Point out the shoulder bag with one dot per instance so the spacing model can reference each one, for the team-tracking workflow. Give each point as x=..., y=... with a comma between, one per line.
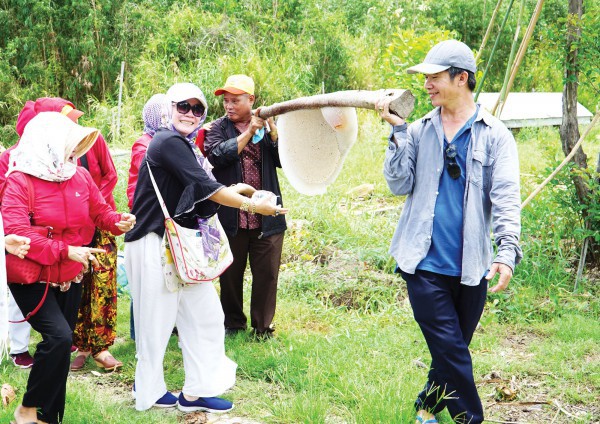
x=192, y=256
x=27, y=271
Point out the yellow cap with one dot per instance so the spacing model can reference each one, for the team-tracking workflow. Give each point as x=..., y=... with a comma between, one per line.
x=237, y=84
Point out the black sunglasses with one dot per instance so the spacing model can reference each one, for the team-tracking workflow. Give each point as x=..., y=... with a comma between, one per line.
x=184, y=107
x=452, y=166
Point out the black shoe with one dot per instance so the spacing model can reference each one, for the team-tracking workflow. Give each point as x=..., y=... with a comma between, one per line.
x=263, y=335
x=232, y=332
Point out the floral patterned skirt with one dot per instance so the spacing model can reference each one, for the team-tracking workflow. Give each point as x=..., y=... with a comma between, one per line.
x=97, y=320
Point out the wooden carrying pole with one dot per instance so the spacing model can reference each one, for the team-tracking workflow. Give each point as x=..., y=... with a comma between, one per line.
x=402, y=104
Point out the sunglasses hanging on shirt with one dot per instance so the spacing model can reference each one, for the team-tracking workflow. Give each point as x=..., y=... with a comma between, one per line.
x=451, y=165
x=184, y=107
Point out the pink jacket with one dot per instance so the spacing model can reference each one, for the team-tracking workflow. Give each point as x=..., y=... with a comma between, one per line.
x=71, y=208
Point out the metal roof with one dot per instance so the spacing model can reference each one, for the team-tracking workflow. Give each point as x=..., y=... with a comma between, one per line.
x=532, y=109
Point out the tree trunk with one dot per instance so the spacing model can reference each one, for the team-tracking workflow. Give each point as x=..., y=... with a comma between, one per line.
x=569, y=130
x=402, y=105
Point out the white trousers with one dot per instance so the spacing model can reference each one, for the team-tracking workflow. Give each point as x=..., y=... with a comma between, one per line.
x=18, y=334
x=197, y=312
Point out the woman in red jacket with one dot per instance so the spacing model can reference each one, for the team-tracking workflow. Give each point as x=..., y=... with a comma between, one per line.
x=19, y=331
x=66, y=199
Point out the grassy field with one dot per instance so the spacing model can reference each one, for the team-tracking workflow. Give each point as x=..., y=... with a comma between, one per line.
x=347, y=349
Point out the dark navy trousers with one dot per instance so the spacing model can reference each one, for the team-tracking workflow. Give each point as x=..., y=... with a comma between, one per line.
x=448, y=313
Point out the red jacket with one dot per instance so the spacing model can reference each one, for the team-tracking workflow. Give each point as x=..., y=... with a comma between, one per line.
x=138, y=152
x=71, y=208
x=102, y=169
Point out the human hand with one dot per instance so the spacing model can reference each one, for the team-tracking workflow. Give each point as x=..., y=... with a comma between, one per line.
x=84, y=255
x=256, y=124
x=506, y=273
x=273, y=129
x=126, y=223
x=244, y=189
x=266, y=206
x=383, y=107
x=17, y=245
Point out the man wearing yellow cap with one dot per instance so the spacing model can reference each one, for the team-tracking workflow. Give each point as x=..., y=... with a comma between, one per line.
x=243, y=149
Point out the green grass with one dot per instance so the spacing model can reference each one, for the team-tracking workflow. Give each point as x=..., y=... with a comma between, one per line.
x=347, y=349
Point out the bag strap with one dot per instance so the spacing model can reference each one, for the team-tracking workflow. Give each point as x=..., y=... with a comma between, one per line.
x=35, y=310
x=160, y=198
x=31, y=196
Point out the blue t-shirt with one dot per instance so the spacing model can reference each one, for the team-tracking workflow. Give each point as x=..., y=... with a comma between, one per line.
x=445, y=254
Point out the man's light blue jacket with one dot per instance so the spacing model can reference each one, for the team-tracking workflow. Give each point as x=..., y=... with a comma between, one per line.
x=413, y=164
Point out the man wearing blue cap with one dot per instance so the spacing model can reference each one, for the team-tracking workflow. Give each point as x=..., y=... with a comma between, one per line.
x=458, y=166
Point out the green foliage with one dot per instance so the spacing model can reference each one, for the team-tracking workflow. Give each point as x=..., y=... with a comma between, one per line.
x=590, y=209
x=74, y=49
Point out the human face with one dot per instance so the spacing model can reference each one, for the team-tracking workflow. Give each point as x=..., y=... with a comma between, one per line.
x=442, y=90
x=185, y=123
x=238, y=107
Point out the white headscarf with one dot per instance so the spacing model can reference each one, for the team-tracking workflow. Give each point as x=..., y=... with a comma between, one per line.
x=50, y=146
x=178, y=93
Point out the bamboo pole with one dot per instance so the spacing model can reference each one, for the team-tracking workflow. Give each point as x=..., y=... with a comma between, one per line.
x=511, y=59
x=120, y=98
x=488, y=31
x=564, y=162
x=522, y=49
x=489, y=63
x=402, y=104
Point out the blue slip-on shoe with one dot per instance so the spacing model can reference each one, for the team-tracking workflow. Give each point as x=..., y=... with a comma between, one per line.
x=168, y=400
x=207, y=404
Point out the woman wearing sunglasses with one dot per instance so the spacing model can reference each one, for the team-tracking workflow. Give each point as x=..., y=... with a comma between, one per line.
x=189, y=190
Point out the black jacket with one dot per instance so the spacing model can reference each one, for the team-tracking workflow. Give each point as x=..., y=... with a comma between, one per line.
x=221, y=146
x=182, y=182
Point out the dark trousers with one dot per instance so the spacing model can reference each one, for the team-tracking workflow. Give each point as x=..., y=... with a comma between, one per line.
x=47, y=383
x=448, y=313
x=264, y=255
x=70, y=300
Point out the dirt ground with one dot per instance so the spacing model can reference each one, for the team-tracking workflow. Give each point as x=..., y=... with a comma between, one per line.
x=507, y=399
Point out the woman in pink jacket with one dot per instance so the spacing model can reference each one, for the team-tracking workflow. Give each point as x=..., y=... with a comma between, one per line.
x=67, y=200
x=19, y=330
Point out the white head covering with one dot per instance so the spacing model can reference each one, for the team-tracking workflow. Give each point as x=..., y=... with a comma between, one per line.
x=50, y=146
x=178, y=93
